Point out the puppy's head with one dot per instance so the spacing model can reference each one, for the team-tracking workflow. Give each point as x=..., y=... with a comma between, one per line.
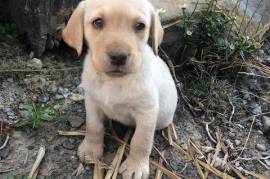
x=116, y=31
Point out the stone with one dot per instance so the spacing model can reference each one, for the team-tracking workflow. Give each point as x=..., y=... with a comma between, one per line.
x=76, y=121
x=24, y=114
x=255, y=108
x=76, y=97
x=219, y=163
x=35, y=63
x=10, y=113
x=7, y=110
x=58, y=97
x=4, y=153
x=237, y=142
x=43, y=99
x=64, y=91
x=57, y=106
x=69, y=144
x=266, y=124
x=261, y=147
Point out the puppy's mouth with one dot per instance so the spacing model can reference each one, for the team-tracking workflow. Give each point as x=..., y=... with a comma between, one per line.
x=116, y=73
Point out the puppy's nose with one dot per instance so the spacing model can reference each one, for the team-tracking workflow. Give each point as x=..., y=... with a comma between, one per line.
x=118, y=57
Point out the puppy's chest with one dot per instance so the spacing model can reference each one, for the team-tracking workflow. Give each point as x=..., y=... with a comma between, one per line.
x=118, y=102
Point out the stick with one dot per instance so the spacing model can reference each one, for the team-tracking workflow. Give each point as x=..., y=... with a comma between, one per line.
x=215, y=171
x=237, y=172
x=233, y=110
x=35, y=167
x=98, y=172
x=165, y=171
x=114, y=170
x=159, y=173
x=5, y=143
x=251, y=127
x=174, y=131
x=79, y=170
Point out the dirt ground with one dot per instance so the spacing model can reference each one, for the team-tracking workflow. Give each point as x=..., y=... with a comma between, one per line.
x=56, y=85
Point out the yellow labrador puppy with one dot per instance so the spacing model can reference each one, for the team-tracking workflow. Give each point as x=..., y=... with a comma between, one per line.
x=124, y=79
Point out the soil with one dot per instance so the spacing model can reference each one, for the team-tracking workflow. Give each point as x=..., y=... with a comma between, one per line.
x=58, y=80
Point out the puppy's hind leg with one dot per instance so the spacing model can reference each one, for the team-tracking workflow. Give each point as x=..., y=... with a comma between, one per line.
x=92, y=146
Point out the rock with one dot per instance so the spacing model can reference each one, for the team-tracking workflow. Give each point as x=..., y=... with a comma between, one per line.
x=57, y=107
x=58, y=97
x=31, y=55
x=74, y=159
x=69, y=144
x=43, y=99
x=6, y=110
x=230, y=144
x=219, y=163
x=247, y=97
x=261, y=147
x=4, y=153
x=267, y=162
x=266, y=124
x=64, y=91
x=237, y=142
x=35, y=63
x=237, y=164
x=76, y=121
x=232, y=135
x=24, y=114
x=255, y=108
x=12, y=117
x=76, y=97
x=10, y=113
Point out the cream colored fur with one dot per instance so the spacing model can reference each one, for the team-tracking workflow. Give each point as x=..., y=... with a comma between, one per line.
x=145, y=97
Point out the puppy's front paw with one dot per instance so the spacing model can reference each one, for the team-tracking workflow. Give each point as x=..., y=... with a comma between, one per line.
x=88, y=152
x=135, y=168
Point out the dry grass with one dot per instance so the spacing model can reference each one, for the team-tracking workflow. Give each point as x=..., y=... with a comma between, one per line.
x=205, y=165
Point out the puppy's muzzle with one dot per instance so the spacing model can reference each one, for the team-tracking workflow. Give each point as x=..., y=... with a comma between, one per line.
x=118, y=57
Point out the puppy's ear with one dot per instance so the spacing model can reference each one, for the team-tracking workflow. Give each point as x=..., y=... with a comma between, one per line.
x=156, y=32
x=73, y=32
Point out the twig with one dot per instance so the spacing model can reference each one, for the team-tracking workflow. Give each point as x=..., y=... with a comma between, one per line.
x=5, y=143
x=215, y=171
x=35, y=167
x=71, y=133
x=208, y=133
x=176, y=146
x=233, y=110
x=159, y=172
x=264, y=165
x=174, y=131
x=254, y=174
x=79, y=171
x=218, y=148
x=251, y=127
x=237, y=172
x=170, y=136
x=163, y=158
x=112, y=173
x=98, y=172
x=165, y=171
x=251, y=74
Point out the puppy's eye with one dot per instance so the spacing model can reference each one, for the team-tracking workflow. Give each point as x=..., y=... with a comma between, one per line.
x=98, y=23
x=139, y=26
